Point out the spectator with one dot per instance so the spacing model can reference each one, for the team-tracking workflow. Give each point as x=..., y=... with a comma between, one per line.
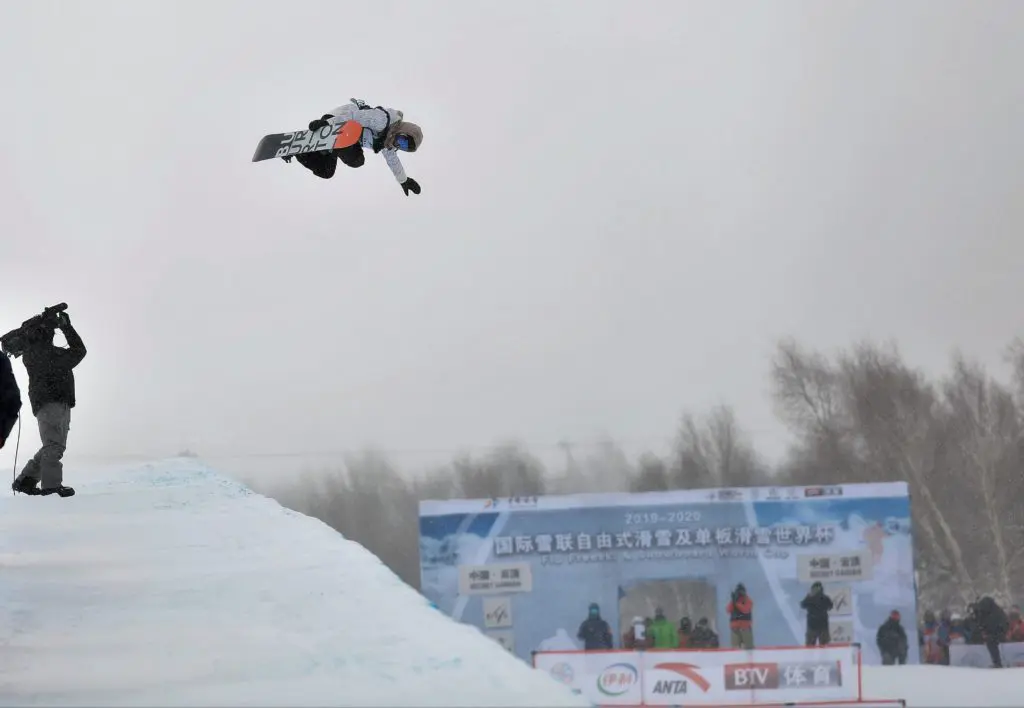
x=51, y=395
x=703, y=636
x=892, y=640
x=636, y=637
x=993, y=623
x=817, y=604
x=685, y=630
x=931, y=650
x=664, y=634
x=10, y=399
x=957, y=630
x=971, y=629
x=945, y=620
x=1016, y=631
x=741, y=618
x=595, y=632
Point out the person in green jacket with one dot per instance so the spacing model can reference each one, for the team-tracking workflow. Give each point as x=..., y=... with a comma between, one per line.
x=664, y=632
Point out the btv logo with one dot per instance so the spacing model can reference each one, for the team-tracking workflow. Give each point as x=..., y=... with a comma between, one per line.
x=675, y=687
x=740, y=677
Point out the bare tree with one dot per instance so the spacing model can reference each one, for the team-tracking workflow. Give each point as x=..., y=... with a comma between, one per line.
x=652, y=475
x=507, y=471
x=984, y=436
x=870, y=417
x=716, y=453
x=863, y=416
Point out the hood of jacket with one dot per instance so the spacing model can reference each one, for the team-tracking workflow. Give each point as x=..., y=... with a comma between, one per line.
x=404, y=127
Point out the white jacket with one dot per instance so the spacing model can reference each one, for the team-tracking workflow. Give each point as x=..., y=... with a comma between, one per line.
x=374, y=123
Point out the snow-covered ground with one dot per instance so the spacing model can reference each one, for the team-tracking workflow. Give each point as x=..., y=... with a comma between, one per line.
x=940, y=686
x=168, y=584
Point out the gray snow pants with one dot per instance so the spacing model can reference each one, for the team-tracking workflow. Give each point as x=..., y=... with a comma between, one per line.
x=54, y=423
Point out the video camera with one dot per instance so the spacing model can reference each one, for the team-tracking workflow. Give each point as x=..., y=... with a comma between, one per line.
x=33, y=329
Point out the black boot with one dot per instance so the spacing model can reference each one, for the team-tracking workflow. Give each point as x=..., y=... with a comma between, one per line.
x=61, y=490
x=26, y=485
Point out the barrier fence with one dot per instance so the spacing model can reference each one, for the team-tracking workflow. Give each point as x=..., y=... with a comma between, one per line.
x=977, y=656
x=829, y=675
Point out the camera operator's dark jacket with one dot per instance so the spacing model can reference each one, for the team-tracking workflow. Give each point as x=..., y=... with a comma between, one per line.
x=50, y=379
x=818, y=606
x=10, y=399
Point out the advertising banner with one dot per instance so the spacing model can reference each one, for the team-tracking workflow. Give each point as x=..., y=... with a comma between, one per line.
x=705, y=678
x=771, y=676
x=604, y=677
x=546, y=560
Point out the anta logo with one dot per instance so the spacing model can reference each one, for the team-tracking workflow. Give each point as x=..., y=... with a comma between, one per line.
x=687, y=671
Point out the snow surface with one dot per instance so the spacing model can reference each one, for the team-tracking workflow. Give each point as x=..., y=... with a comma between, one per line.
x=940, y=686
x=169, y=584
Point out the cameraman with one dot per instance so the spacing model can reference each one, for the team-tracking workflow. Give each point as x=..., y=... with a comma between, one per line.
x=741, y=618
x=10, y=399
x=51, y=391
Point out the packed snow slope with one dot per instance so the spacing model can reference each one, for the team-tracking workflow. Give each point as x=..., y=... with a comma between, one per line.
x=168, y=584
x=945, y=686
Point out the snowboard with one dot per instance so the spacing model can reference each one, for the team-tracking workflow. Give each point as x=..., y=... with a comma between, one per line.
x=331, y=137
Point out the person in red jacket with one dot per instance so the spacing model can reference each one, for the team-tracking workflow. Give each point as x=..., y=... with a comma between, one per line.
x=1016, y=631
x=741, y=618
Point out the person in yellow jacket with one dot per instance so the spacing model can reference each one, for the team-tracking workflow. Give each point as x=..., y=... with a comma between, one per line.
x=664, y=633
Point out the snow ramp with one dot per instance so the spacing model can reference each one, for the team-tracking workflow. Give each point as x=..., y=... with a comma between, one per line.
x=168, y=584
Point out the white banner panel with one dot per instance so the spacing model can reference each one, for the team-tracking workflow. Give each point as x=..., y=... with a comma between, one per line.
x=973, y=655
x=1012, y=654
x=757, y=676
x=609, y=678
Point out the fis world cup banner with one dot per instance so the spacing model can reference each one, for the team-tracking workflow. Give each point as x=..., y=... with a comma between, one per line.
x=527, y=571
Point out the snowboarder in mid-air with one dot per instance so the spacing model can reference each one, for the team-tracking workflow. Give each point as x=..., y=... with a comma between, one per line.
x=384, y=130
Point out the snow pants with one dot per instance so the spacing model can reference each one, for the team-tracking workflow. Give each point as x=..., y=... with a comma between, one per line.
x=46, y=467
x=891, y=659
x=322, y=164
x=993, y=651
x=820, y=636
x=743, y=637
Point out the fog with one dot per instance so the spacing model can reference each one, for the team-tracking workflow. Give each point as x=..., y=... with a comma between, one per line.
x=625, y=207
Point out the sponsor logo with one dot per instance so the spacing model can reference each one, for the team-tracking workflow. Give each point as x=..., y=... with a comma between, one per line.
x=617, y=679
x=823, y=491
x=730, y=494
x=772, y=675
x=690, y=674
x=740, y=677
x=562, y=672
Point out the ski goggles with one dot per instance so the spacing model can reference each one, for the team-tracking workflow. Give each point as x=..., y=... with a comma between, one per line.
x=402, y=142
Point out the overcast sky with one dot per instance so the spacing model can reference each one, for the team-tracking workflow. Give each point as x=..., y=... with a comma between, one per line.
x=624, y=206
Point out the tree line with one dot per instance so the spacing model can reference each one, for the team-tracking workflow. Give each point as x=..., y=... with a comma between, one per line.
x=862, y=415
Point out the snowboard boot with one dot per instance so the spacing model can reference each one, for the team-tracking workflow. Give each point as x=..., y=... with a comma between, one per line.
x=61, y=490
x=26, y=485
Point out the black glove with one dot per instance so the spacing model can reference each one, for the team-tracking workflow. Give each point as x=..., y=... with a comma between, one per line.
x=63, y=320
x=410, y=185
x=320, y=122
